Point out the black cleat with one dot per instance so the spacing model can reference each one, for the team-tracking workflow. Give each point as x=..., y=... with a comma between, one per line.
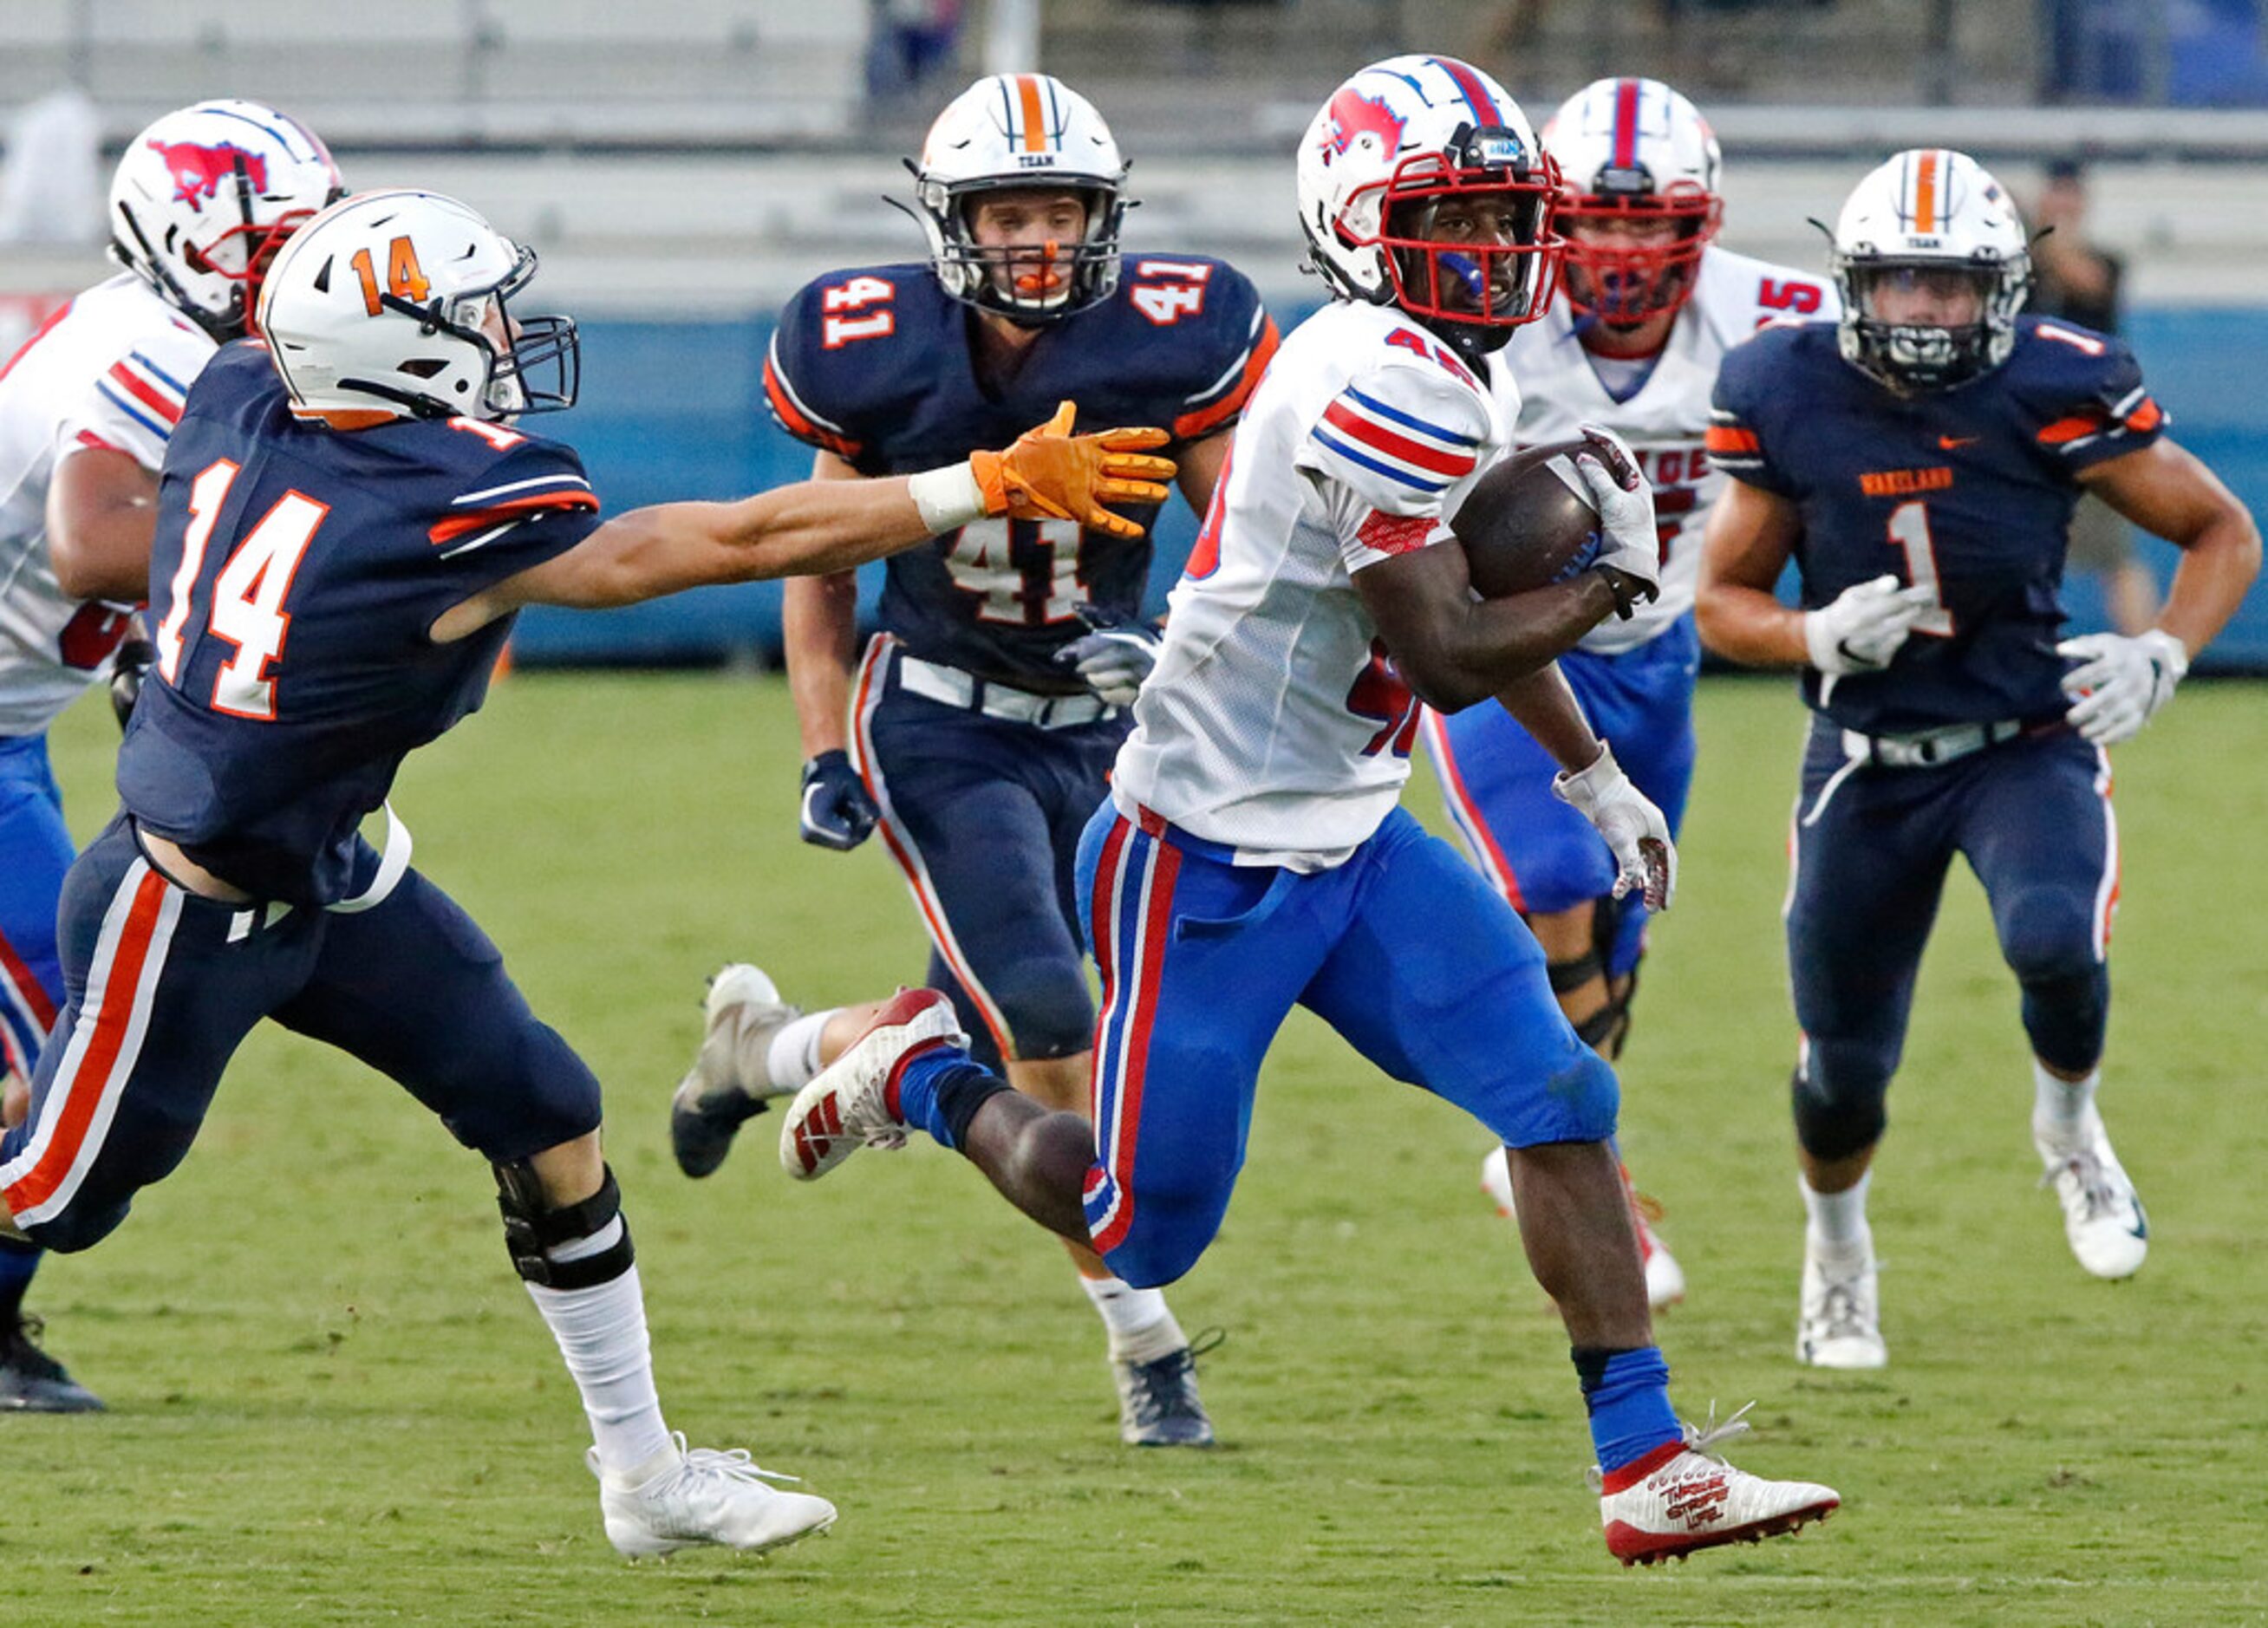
x=32, y=1381
x=1157, y=1403
x=727, y=1085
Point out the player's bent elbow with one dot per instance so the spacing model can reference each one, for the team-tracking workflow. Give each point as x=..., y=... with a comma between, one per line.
x=74, y=568
x=1443, y=684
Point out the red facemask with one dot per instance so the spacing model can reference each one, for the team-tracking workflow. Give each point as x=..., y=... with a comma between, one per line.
x=1619, y=284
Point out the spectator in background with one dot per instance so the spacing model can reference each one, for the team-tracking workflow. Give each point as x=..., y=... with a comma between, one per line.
x=912, y=40
x=52, y=182
x=2078, y=282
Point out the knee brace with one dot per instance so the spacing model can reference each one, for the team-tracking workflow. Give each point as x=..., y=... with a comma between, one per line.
x=2065, y=1018
x=1838, y=1110
x=577, y=1247
x=1607, y=1030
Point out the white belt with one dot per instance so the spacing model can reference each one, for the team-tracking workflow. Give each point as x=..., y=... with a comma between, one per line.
x=934, y=680
x=392, y=866
x=1930, y=747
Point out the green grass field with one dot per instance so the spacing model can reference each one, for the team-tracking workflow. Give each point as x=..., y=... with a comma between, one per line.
x=331, y=1402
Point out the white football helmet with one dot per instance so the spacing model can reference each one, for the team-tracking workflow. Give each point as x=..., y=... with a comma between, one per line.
x=1021, y=130
x=1633, y=150
x=394, y=302
x=203, y=198
x=1378, y=161
x=1929, y=218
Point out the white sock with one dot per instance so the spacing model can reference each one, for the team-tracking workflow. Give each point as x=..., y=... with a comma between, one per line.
x=1141, y=1325
x=602, y=1334
x=2060, y=1107
x=1837, y=1221
x=793, y=1056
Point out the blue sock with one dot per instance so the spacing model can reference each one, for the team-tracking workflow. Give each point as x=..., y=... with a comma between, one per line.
x=1628, y=1394
x=17, y=1263
x=940, y=1090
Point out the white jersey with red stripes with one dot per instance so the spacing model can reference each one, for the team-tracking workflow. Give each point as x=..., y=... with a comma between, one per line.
x=1548, y=386
x=109, y=370
x=1273, y=723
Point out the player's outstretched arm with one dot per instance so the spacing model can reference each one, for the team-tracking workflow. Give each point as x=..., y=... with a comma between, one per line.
x=102, y=511
x=829, y=525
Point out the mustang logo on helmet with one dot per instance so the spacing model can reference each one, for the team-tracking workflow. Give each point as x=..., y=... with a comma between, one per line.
x=1352, y=114
x=198, y=171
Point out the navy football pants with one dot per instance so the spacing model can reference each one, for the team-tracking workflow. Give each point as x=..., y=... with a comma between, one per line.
x=161, y=987
x=1871, y=847
x=983, y=816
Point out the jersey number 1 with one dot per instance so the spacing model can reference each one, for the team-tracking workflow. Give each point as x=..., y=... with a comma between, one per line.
x=248, y=592
x=1910, y=534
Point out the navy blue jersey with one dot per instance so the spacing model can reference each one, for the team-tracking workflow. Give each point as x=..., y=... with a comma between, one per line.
x=1970, y=488
x=294, y=576
x=878, y=366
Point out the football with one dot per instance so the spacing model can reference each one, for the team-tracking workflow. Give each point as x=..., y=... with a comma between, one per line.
x=1528, y=521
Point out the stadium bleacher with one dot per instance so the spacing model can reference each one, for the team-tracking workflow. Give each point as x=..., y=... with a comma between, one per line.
x=683, y=168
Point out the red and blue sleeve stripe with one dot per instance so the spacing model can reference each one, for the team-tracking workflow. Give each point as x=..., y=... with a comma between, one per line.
x=1364, y=432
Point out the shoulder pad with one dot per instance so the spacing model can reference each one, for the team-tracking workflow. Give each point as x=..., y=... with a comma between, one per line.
x=844, y=346
x=2079, y=392
x=1200, y=330
x=503, y=476
x=1401, y=432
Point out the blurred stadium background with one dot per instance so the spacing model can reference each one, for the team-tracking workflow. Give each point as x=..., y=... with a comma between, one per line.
x=682, y=166
x=1401, y=1449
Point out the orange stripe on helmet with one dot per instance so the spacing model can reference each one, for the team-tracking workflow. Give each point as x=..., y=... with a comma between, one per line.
x=1035, y=123
x=1926, y=193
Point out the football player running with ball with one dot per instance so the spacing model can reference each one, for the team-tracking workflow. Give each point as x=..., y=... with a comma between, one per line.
x=199, y=204
x=978, y=729
x=1919, y=459
x=346, y=526
x=1252, y=856
x=1648, y=307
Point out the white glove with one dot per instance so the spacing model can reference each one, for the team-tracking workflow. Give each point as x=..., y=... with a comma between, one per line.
x=1116, y=656
x=1632, y=826
x=2121, y=682
x=1862, y=630
x=1630, y=541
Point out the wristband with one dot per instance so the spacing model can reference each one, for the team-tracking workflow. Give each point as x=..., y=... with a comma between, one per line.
x=948, y=499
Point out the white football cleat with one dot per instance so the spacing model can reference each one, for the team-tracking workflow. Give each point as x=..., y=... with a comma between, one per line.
x=729, y=1082
x=1840, y=1323
x=848, y=1105
x=1681, y=1496
x=2102, y=1215
x=1665, y=1279
x=707, y=1497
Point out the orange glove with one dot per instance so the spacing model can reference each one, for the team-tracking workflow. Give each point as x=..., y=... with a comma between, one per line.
x=1051, y=475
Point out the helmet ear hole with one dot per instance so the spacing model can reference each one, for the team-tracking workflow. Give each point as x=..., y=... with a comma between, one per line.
x=422, y=367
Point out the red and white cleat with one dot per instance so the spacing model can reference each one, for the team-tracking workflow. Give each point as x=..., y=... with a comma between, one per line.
x=848, y=1105
x=1681, y=1497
